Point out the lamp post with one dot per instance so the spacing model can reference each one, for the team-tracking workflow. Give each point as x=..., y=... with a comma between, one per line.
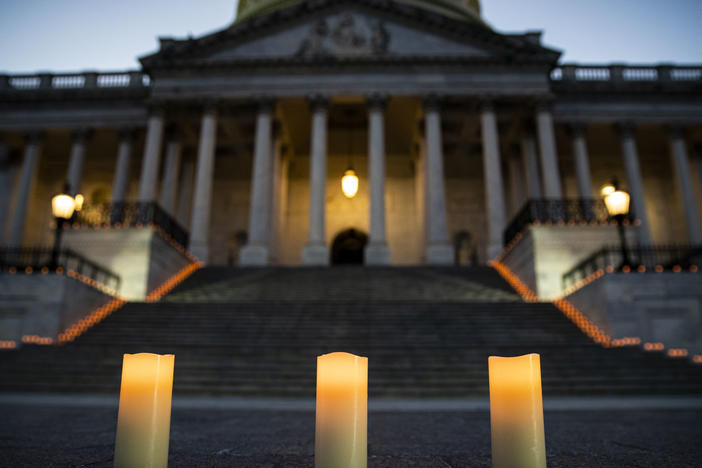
x=617, y=202
x=62, y=207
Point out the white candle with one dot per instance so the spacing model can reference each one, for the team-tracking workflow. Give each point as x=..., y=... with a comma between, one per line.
x=144, y=420
x=342, y=411
x=516, y=412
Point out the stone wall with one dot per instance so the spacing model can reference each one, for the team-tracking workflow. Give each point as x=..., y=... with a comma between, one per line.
x=43, y=305
x=659, y=308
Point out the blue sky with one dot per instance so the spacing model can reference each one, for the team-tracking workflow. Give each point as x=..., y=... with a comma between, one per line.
x=75, y=35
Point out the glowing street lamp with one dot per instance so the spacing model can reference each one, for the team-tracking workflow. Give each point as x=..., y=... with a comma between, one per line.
x=617, y=202
x=62, y=207
x=349, y=183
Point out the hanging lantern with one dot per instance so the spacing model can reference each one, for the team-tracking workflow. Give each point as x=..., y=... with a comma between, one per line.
x=349, y=183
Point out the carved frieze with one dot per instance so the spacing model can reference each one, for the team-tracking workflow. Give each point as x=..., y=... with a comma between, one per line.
x=345, y=35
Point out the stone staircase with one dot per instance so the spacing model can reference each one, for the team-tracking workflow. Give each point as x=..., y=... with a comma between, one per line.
x=426, y=331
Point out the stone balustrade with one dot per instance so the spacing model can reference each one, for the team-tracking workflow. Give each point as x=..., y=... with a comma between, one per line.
x=85, y=80
x=618, y=73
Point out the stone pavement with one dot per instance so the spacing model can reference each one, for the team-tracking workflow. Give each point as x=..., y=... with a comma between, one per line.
x=59, y=435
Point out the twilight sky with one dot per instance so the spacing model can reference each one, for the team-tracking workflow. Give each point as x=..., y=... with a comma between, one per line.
x=75, y=35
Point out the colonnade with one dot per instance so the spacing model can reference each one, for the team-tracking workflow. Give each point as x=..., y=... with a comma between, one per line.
x=534, y=173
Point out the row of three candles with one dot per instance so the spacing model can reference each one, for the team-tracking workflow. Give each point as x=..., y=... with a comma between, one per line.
x=516, y=411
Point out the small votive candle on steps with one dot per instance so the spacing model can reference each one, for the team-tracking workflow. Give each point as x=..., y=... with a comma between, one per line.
x=342, y=411
x=516, y=412
x=144, y=420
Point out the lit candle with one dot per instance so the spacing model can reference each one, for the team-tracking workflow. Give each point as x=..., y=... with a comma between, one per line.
x=144, y=420
x=342, y=411
x=516, y=412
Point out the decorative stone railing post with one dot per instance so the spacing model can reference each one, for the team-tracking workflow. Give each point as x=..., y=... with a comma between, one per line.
x=45, y=80
x=136, y=79
x=569, y=72
x=665, y=73
x=616, y=72
x=91, y=80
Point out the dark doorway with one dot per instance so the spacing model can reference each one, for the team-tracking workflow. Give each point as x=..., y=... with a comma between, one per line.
x=347, y=248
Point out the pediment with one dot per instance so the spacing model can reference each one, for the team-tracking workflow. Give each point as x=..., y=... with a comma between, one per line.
x=348, y=30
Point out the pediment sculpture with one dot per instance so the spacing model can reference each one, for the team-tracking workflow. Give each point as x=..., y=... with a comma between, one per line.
x=345, y=35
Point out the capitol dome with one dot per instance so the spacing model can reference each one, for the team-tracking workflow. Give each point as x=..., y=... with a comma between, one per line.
x=468, y=10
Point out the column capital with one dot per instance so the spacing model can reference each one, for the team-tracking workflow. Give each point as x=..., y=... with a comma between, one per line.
x=126, y=133
x=265, y=104
x=544, y=103
x=626, y=129
x=34, y=137
x=577, y=129
x=432, y=102
x=676, y=131
x=210, y=106
x=157, y=109
x=172, y=134
x=487, y=104
x=81, y=135
x=377, y=101
x=318, y=102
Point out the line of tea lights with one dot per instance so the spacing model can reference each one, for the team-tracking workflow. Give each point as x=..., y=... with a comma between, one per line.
x=341, y=421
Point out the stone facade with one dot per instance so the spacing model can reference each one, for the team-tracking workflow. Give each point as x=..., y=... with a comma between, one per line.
x=463, y=105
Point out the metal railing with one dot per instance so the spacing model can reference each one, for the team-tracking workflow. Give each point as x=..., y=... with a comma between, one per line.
x=651, y=258
x=85, y=80
x=30, y=260
x=618, y=73
x=132, y=214
x=566, y=211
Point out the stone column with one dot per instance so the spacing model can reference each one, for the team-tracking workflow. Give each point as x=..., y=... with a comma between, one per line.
x=316, y=251
x=633, y=175
x=531, y=167
x=201, y=208
x=516, y=180
x=549, y=155
x=120, y=183
x=678, y=150
x=582, y=162
x=6, y=184
x=169, y=183
x=494, y=187
x=698, y=165
x=377, y=251
x=77, y=161
x=185, y=193
x=438, y=250
x=24, y=189
x=256, y=252
x=152, y=157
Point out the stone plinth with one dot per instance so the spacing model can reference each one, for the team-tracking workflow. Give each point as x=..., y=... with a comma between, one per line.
x=140, y=256
x=545, y=253
x=44, y=305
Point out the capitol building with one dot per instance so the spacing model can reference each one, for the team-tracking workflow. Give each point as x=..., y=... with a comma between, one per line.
x=309, y=134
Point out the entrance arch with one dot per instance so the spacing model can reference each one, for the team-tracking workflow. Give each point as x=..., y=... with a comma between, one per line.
x=348, y=246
